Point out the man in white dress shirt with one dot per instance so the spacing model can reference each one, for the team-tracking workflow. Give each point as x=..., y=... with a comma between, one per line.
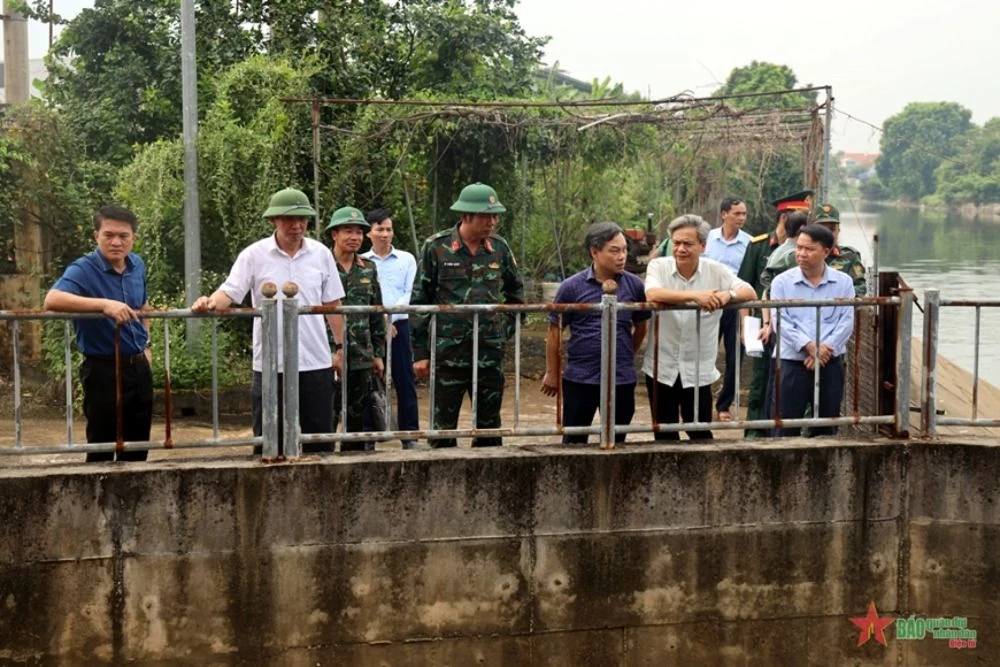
x=289, y=255
x=688, y=339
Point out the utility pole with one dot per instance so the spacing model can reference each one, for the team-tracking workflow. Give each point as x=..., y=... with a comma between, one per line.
x=825, y=191
x=17, y=83
x=23, y=290
x=192, y=224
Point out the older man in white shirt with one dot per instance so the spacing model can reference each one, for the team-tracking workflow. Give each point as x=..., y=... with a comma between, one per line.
x=688, y=340
x=289, y=255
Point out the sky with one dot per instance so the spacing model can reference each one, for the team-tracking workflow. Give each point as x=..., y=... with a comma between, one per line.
x=877, y=55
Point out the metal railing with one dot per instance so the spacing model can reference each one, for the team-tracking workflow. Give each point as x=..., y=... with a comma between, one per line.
x=931, y=413
x=606, y=429
x=14, y=320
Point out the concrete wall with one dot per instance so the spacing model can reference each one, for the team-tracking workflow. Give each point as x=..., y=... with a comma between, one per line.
x=685, y=555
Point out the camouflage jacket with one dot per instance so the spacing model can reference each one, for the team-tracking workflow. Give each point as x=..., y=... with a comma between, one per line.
x=755, y=260
x=782, y=259
x=449, y=274
x=365, y=333
x=847, y=259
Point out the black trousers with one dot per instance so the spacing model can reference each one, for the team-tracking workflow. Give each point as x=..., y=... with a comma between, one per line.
x=315, y=407
x=797, y=394
x=582, y=401
x=97, y=375
x=674, y=403
x=729, y=330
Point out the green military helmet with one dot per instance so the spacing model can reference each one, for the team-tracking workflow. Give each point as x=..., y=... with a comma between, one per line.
x=289, y=202
x=478, y=198
x=827, y=213
x=347, y=215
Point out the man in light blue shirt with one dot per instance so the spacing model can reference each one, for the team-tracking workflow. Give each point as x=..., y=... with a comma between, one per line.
x=727, y=245
x=396, y=271
x=800, y=351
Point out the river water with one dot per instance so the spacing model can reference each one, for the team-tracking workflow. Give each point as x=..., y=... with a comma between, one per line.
x=959, y=257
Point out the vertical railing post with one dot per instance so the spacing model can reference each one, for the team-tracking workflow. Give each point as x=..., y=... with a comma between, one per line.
x=817, y=366
x=904, y=347
x=475, y=370
x=15, y=328
x=290, y=361
x=68, y=360
x=609, y=326
x=928, y=403
x=269, y=369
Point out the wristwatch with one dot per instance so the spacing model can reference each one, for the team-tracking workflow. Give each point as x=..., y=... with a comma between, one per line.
x=338, y=346
x=732, y=294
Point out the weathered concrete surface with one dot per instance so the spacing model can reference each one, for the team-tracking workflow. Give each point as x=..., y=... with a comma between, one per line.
x=728, y=554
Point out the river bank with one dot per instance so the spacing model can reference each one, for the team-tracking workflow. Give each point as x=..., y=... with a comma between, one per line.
x=989, y=212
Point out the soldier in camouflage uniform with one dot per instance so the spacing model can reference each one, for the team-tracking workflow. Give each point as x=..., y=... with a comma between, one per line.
x=751, y=270
x=466, y=264
x=365, y=341
x=783, y=257
x=843, y=258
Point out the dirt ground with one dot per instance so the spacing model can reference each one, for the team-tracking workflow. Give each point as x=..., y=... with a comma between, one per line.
x=48, y=428
x=44, y=420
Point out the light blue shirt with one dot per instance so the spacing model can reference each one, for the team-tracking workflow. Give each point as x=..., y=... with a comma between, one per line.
x=396, y=272
x=798, y=325
x=729, y=253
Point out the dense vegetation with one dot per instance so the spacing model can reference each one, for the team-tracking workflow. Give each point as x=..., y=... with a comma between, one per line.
x=109, y=127
x=932, y=152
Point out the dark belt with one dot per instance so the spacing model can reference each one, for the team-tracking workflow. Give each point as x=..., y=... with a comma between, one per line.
x=132, y=360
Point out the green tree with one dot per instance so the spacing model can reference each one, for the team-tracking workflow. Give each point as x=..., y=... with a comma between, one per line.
x=914, y=144
x=251, y=145
x=763, y=173
x=974, y=175
x=761, y=77
x=115, y=70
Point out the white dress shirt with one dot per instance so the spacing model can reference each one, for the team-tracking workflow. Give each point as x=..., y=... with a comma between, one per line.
x=678, y=342
x=313, y=270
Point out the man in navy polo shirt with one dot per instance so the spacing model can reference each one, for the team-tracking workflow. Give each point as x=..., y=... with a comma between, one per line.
x=111, y=280
x=582, y=376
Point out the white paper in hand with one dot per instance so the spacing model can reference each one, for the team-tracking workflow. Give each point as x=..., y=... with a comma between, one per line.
x=751, y=342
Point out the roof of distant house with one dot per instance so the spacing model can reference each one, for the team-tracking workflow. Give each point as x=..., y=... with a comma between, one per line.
x=861, y=159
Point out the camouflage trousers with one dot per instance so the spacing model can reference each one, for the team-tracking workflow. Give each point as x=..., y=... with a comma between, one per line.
x=453, y=383
x=757, y=393
x=358, y=390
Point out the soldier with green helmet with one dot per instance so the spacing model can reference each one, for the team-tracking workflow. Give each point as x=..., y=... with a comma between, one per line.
x=365, y=333
x=466, y=264
x=289, y=255
x=843, y=258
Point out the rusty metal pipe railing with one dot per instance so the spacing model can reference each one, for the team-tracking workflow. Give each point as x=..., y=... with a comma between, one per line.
x=932, y=416
x=168, y=403
x=928, y=402
x=68, y=378
x=607, y=429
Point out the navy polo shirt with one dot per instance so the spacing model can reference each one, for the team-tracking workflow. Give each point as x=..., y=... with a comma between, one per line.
x=583, y=351
x=92, y=276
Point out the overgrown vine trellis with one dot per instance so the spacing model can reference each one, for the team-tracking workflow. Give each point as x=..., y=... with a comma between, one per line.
x=560, y=165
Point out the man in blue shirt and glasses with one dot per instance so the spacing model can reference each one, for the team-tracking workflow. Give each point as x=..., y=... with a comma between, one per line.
x=111, y=280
